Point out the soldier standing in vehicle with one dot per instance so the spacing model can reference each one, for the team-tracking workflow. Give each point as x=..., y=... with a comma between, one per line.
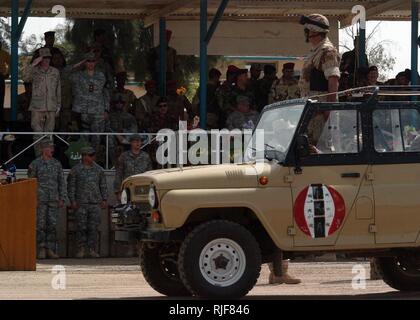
x=321, y=71
x=132, y=162
x=285, y=88
x=51, y=197
x=88, y=194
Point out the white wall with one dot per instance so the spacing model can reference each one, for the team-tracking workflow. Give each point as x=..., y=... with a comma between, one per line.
x=244, y=38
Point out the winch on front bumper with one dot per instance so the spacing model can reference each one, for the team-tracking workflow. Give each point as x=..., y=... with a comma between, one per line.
x=129, y=221
x=132, y=222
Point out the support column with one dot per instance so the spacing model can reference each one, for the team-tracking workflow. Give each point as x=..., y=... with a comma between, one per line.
x=414, y=44
x=362, y=46
x=15, y=59
x=163, y=45
x=17, y=29
x=203, y=64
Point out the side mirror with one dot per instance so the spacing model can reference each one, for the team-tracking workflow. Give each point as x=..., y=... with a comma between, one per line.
x=302, y=146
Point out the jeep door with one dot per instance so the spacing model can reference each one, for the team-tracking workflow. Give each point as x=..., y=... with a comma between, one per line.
x=396, y=172
x=332, y=199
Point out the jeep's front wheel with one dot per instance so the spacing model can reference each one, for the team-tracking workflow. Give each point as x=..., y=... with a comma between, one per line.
x=159, y=265
x=401, y=273
x=219, y=259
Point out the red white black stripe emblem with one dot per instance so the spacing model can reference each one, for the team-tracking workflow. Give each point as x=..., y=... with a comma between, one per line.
x=319, y=211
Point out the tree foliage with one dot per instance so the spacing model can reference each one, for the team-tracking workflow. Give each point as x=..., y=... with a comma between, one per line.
x=377, y=50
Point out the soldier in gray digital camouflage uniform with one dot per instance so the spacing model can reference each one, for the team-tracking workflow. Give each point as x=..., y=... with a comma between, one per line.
x=51, y=197
x=131, y=163
x=91, y=98
x=119, y=121
x=88, y=194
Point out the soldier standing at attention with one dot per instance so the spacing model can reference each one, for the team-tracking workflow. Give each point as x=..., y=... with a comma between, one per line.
x=91, y=98
x=285, y=88
x=88, y=194
x=132, y=162
x=51, y=197
x=321, y=71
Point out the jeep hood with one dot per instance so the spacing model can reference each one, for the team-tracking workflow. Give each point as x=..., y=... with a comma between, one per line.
x=200, y=177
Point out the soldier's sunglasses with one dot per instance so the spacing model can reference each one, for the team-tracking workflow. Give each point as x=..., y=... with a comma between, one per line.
x=163, y=105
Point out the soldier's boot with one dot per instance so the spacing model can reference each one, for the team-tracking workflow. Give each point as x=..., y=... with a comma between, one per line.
x=41, y=254
x=52, y=255
x=81, y=253
x=93, y=254
x=285, y=278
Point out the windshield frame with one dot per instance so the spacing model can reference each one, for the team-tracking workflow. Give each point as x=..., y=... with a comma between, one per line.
x=281, y=105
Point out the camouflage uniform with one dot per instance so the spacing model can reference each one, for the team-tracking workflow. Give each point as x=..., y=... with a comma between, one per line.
x=119, y=122
x=51, y=190
x=129, y=165
x=127, y=96
x=160, y=121
x=87, y=187
x=46, y=98
x=284, y=90
x=324, y=58
x=239, y=120
x=91, y=101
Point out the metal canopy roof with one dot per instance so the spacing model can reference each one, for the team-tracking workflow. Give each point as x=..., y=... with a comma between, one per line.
x=271, y=10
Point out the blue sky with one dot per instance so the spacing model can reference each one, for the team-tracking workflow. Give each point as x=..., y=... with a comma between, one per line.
x=397, y=33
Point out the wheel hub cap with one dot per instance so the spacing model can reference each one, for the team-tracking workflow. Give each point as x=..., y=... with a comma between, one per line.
x=222, y=262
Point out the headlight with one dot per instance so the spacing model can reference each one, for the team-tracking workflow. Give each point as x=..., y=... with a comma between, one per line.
x=125, y=196
x=153, y=201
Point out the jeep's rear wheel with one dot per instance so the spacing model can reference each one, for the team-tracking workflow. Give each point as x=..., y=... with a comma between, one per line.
x=219, y=259
x=401, y=273
x=159, y=264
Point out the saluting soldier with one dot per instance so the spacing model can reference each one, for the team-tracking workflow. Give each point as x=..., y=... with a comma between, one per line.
x=321, y=71
x=132, y=162
x=51, y=197
x=88, y=194
x=285, y=88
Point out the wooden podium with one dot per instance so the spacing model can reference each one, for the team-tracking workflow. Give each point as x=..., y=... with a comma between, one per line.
x=18, y=202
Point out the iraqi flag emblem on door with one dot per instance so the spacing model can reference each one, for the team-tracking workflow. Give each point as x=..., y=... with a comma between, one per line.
x=319, y=211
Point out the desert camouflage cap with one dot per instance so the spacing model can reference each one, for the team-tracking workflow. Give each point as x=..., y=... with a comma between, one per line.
x=316, y=22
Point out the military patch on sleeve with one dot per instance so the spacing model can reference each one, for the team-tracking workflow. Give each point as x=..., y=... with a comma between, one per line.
x=319, y=211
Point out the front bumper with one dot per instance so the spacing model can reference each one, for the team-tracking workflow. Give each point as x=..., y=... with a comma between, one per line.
x=131, y=223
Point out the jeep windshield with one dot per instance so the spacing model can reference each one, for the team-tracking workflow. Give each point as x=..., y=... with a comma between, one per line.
x=277, y=125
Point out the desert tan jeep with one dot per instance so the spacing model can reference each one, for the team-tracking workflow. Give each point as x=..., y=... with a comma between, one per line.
x=331, y=178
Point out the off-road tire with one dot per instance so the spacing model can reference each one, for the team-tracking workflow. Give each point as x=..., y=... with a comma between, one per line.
x=153, y=271
x=198, y=239
x=393, y=275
